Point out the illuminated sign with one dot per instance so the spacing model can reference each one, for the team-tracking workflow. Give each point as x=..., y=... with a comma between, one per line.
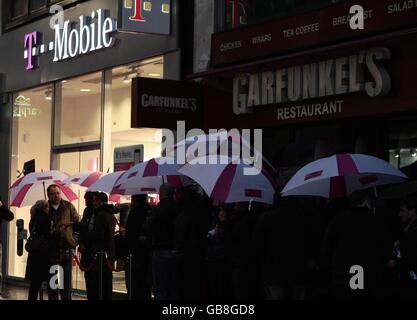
x=145, y=16
x=91, y=33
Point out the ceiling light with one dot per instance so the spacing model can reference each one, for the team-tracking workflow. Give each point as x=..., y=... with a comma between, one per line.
x=85, y=90
x=64, y=81
x=48, y=95
x=397, y=155
x=127, y=79
x=154, y=74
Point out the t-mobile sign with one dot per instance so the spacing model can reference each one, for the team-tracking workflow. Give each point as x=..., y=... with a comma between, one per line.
x=145, y=16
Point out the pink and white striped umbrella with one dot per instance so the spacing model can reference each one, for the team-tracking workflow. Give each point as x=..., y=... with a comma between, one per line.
x=227, y=182
x=83, y=179
x=340, y=175
x=228, y=143
x=109, y=184
x=32, y=187
x=150, y=175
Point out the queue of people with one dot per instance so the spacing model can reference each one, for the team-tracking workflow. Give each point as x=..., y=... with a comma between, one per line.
x=191, y=248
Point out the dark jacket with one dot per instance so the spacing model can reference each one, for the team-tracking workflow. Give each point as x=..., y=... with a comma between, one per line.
x=5, y=214
x=64, y=238
x=356, y=237
x=285, y=245
x=37, y=267
x=134, y=230
x=162, y=224
x=83, y=228
x=102, y=234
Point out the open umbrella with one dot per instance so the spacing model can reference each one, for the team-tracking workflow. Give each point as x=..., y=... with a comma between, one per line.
x=83, y=179
x=229, y=144
x=340, y=175
x=227, y=182
x=32, y=187
x=159, y=169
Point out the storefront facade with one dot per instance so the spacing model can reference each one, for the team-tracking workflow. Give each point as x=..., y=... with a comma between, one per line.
x=66, y=97
x=318, y=87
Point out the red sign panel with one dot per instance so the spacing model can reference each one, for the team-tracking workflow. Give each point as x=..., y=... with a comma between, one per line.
x=161, y=103
x=315, y=28
x=400, y=67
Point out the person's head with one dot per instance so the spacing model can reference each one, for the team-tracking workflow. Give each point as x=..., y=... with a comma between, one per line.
x=408, y=209
x=99, y=199
x=362, y=198
x=139, y=200
x=54, y=194
x=40, y=206
x=166, y=191
x=88, y=197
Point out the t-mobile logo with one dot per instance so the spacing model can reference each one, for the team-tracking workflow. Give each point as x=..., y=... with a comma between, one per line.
x=31, y=52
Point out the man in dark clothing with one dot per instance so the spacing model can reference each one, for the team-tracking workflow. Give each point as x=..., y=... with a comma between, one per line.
x=191, y=228
x=64, y=240
x=85, y=246
x=141, y=281
x=101, y=238
x=405, y=262
x=287, y=241
x=7, y=215
x=164, y=259
x=356, y=238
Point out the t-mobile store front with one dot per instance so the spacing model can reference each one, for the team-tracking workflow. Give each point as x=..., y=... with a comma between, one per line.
x=317, y=87
x=67, y=95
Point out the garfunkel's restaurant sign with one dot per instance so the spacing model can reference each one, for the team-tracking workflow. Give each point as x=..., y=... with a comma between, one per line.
x=357, y=73
x=96, y=31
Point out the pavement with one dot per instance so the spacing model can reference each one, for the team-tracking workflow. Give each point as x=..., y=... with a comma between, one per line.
x=21, y=293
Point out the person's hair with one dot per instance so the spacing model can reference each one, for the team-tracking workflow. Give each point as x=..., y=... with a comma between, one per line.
x=139, y=199
x=410, y=202
x=89, y=196
x=102, y=197
x=38, y=206
x=52, y=186
x=166, y=191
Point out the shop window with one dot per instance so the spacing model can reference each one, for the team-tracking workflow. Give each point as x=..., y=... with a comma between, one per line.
x=78, y=110
x=19, y=8
x=236, y=13
x=146, y=140
x=31, y=139
x=37, y=5
x=402, y=142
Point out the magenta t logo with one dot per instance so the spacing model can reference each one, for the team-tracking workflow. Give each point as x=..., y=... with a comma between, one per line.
x=31, y=40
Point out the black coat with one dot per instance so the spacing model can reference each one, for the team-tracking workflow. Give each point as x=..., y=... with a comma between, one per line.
x=356, y=237
x=134, y=227
x=162, y=224
x=38, y=264
x=286, y=243
x=5, y=214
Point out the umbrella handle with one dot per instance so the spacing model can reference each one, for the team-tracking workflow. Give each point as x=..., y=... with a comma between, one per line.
x=44, y=191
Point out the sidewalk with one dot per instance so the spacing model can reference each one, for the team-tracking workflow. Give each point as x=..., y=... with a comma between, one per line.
x=21, y=293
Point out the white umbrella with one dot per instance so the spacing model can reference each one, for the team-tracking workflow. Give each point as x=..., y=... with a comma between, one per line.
x=32, y=187
x=109, y=184
x=230, y=144
x=340, y=175
x=83, y=179
x=226, y=181
x=151, y=174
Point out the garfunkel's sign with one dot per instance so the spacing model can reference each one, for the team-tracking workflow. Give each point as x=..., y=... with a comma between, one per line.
x=158, y=103
x=361, y=72
x=91, y=33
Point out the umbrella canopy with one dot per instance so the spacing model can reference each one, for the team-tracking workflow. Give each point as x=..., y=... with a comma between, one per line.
x=31, y=188
x=226, y=181
x=152, y=173
x=227, y=142
x=340, y=175
x=109, y=184
x=83, y=179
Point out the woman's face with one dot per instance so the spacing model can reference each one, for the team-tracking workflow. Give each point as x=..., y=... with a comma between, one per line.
x=46, y=208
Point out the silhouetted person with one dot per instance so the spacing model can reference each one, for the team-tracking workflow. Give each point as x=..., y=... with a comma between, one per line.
x=141, y=281
x=6, y=215
x=356, y=238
